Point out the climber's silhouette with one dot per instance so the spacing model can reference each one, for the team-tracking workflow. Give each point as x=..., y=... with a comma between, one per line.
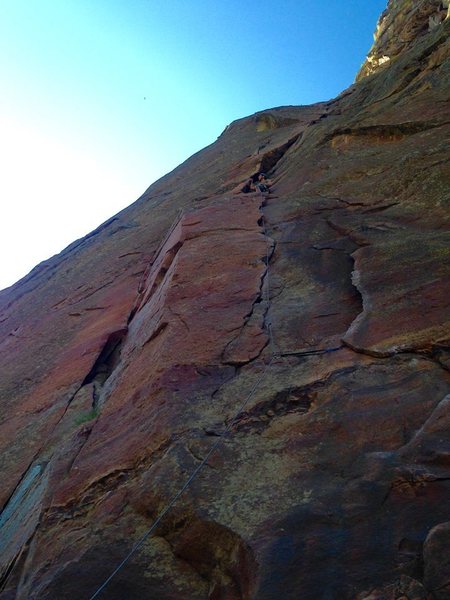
x=263, y=184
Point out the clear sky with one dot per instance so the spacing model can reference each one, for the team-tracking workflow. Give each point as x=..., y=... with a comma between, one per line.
x=99, y=98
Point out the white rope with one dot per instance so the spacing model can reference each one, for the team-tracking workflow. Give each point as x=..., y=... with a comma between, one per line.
x=213, y=448
x=187, y=483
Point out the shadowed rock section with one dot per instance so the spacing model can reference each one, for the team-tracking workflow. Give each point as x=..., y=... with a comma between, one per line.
x=126, y=356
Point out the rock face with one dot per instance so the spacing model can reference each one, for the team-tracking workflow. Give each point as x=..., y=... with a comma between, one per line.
x=399, y=28
x=304, y=335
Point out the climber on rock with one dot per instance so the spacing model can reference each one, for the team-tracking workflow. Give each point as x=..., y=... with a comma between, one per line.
x=263, y=184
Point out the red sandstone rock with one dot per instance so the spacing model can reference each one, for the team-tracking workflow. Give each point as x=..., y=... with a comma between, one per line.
x=127, y=356
x=399, y=28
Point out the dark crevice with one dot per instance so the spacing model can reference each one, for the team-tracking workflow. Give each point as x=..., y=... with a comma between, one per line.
x=257, y=301
x=341, y=200
x=322, y=248
x=106, y=362
x=130, y=254
x=381, y=208
x=214, y=432
x=321, y=118
x=132, y=315
x=350, y=204
x=271, y=158
x=372, y=353
x=269, y=161
x=325, y=209
x=310, y=352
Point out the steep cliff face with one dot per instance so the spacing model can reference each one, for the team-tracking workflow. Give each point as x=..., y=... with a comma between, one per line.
x=304, y=336
x=400, y=27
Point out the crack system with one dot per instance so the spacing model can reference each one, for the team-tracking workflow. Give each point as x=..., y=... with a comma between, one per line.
x=303, y=400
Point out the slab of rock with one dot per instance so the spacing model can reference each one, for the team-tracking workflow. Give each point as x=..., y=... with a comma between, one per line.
x=305, y=331
x=399, y=28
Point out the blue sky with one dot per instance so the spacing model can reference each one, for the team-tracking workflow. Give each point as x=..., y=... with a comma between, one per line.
x=102, y=97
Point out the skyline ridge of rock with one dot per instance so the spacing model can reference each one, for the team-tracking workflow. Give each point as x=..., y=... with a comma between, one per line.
x=324, y=305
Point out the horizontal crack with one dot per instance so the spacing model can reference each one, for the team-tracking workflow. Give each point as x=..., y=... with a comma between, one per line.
x=310, y=352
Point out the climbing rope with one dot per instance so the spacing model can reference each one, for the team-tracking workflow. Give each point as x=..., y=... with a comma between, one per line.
x=274, y=355
x=188, y=482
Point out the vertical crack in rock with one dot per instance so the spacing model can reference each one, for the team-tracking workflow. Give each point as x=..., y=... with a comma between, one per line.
x=258, y=302
x=271, y=158
x=321, y=301
x=286, y=511
x=259, y=309
x=105, y=364
x=364, y=303
x=259, y=162
x=21, y=514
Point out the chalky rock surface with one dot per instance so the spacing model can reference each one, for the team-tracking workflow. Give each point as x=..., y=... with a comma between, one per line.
x=324, y=306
